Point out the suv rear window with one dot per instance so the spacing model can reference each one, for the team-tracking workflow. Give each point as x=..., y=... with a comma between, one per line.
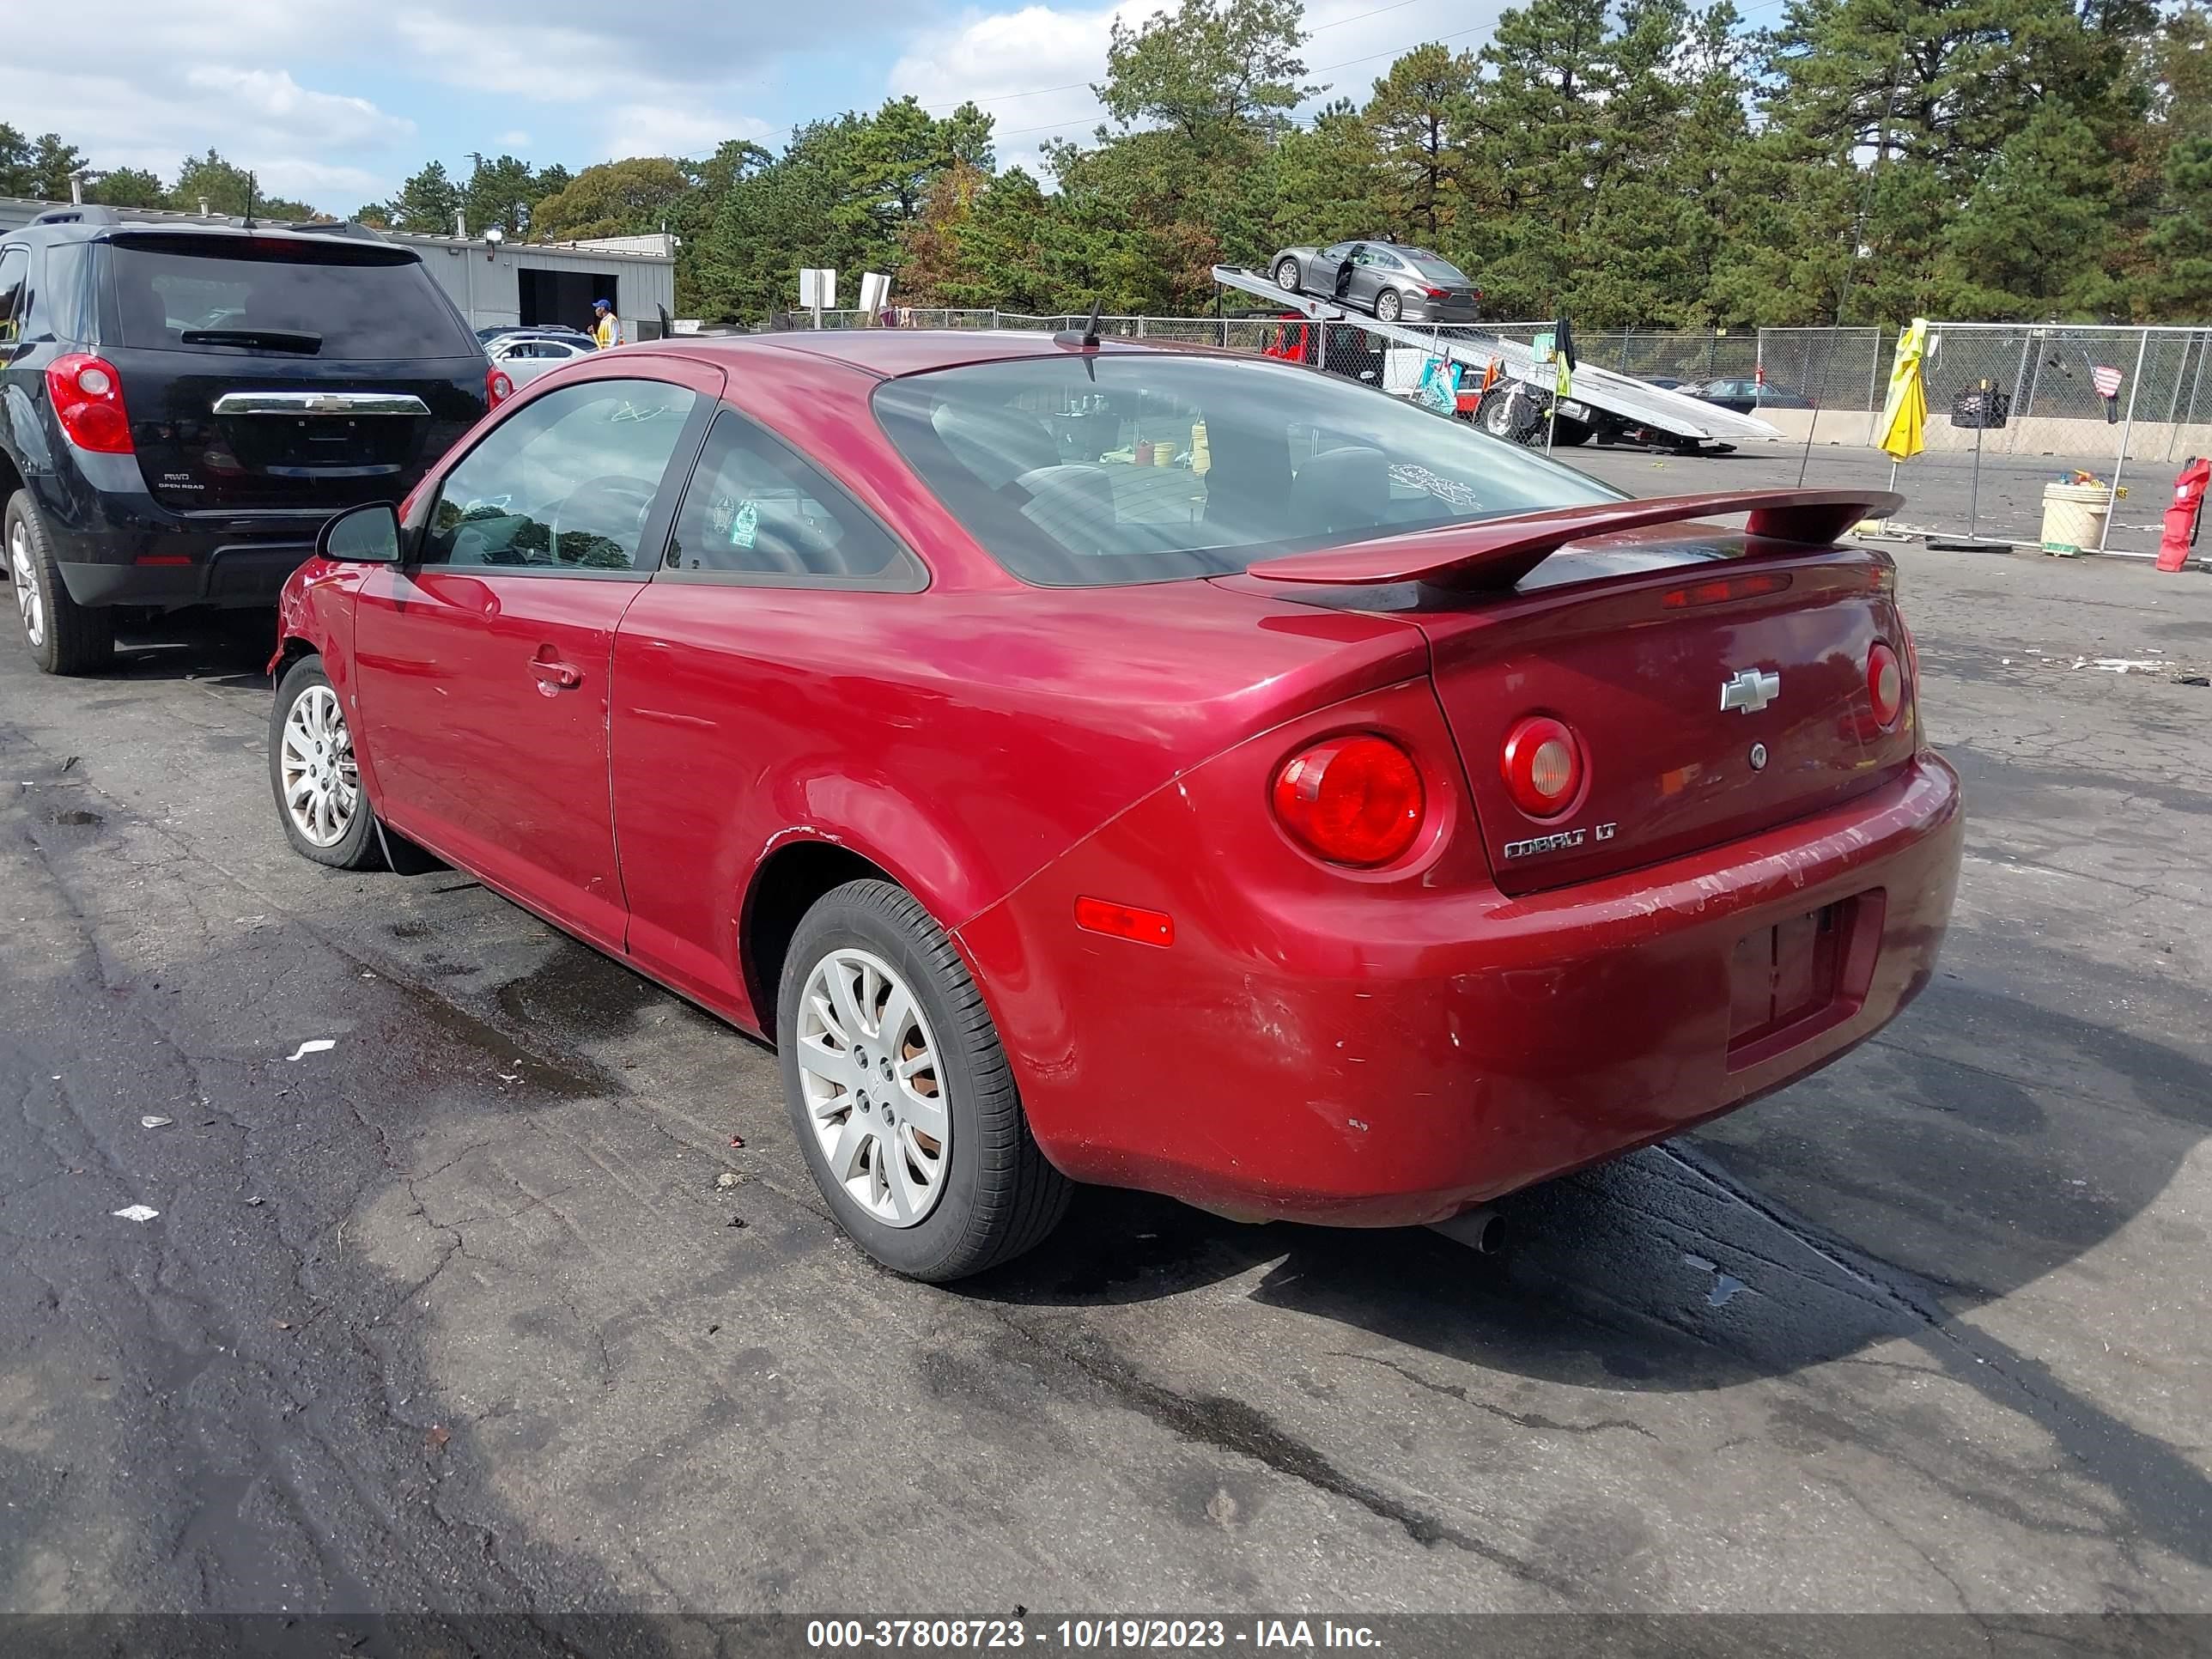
x=343, y=301
x=1088, y=471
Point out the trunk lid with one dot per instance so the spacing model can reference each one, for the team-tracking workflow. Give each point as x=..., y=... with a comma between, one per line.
x=275, y=371
x=1716, y=682
x=1640, y=670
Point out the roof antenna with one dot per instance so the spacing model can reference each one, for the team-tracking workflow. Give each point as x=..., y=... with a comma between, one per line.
x=1089, y=338
x=250, y=185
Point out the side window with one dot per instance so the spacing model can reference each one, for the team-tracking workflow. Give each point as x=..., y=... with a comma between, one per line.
x=15, y=267
x=754, y=507
x=566, y=483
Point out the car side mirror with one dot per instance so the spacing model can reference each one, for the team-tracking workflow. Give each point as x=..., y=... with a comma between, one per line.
x=362, y=535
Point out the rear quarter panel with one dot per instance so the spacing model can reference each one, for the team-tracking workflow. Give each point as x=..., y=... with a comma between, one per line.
x=959, y=740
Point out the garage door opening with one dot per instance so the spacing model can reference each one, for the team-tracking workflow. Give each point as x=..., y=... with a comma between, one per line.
x=562, y=296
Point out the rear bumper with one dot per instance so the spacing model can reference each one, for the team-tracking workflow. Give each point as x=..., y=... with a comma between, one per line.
x=1432, y=311
x=1361, y=1062
x=117, y=546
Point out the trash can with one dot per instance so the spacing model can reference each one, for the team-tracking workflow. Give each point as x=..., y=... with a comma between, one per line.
x=2074, y=517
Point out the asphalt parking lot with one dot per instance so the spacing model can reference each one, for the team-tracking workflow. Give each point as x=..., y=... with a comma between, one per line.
x=517, y=1294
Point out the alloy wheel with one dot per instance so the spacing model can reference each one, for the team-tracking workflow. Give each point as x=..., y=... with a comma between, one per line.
x=1387, y=309
x=322, y=782
x=873, y=1088
x=1286, y=275
x=23, y=571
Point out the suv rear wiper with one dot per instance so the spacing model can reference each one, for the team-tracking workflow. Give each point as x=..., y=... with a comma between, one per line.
x=273, y=339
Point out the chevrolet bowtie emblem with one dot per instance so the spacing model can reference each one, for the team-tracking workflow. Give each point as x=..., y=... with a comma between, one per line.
x=1750, y=689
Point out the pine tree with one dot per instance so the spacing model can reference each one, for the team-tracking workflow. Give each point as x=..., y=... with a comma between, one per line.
x=1317, y=184
x=129, y=187
x=1537, y=118
x=501, y=192
x=2180, y=283
x=1420, y=116
x=2026, y=245
x=428, y=203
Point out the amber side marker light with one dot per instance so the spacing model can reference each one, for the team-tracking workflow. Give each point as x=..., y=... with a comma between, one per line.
x=1124, y=921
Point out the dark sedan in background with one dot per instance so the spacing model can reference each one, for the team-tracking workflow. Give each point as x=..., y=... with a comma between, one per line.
x=1748, y=397
x=1390, y=281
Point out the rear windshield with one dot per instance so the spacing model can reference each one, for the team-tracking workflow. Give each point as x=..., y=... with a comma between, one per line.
x=1096, y=471
x=360, y=303
x=1436, y=270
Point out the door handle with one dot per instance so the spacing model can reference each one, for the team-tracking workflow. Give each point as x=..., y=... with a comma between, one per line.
x=554, y=675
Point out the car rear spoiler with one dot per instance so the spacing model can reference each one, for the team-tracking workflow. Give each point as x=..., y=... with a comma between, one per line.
x=1496, y=553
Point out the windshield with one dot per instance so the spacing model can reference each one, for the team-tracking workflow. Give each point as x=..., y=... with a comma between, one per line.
x=235, y=295
x=1098, y=471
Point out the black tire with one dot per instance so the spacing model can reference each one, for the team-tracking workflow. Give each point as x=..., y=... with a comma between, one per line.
x=1571, y=434
x=1287, y=275
x=357, y=846
x=1506, y=419
x=998, y=1197
x=1388, y=307
x=64, y=637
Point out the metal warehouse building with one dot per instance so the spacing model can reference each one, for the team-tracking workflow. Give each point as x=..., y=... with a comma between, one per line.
x=493, y=282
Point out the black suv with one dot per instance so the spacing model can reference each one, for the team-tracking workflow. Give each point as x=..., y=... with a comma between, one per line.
x=187, y=403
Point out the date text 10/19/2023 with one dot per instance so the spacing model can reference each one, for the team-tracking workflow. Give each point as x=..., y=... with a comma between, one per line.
x=1084, y=1634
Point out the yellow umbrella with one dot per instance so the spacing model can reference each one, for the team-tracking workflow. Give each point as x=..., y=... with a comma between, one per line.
x=1905, y=411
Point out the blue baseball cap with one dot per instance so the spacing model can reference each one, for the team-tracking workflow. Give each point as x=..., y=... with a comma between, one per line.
x=601, y=304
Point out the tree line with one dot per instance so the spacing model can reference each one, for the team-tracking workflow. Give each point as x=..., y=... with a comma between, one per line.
x=1621, y=162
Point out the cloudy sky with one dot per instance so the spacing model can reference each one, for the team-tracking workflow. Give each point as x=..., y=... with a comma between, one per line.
x=335, y=102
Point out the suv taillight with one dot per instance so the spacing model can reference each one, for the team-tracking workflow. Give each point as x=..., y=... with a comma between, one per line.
x=88, y=398
x=499, y=386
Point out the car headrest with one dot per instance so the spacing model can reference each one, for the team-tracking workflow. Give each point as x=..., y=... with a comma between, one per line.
x=1073, y=504
x=1341, y=489
x=997, y=444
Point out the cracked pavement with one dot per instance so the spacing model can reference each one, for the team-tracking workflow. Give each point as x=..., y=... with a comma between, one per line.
x=455, y=1315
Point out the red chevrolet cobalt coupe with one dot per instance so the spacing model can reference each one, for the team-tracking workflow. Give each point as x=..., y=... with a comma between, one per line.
x=1149, y=767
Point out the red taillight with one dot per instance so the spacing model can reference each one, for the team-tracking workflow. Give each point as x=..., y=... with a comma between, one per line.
x=1884, y=684
x=499, y=386
x=1354, y=800
x=1437, y=293
x=1542, y=763
x=1124, y=921
x=88, y=398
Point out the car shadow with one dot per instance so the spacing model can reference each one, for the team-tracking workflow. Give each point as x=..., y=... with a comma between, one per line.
x=1873, y=1204
x=229, y=650
x=1914, y=1180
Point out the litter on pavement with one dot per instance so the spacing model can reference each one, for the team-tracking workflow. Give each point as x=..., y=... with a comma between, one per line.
x=136, y=1212
x=150, y=1121
x=313, y=1046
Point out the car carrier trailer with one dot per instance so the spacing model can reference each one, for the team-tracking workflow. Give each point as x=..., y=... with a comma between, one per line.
x=1603, y=404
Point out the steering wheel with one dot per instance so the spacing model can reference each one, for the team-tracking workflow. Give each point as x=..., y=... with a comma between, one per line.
x=610, y=508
